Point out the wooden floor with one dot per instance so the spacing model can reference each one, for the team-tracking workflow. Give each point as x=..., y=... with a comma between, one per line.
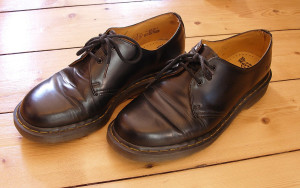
x=261, y=148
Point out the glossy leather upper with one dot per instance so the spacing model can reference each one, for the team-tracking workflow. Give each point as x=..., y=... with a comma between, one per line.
x=178, y=109
x=85, y=88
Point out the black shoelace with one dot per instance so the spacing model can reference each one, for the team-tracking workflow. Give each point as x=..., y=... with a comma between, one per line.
x=105, y=41
x=184, y=61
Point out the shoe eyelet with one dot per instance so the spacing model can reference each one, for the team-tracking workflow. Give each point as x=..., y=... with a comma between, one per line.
x=99, y=60
x=208, y=77
x=213, y=67
x=200, y=83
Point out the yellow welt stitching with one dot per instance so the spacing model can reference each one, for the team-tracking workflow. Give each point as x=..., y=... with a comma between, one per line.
x=25, y=125
x=187, y=146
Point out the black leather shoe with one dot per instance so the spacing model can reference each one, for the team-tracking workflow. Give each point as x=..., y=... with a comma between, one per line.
x=113, y=67
x=204, y=90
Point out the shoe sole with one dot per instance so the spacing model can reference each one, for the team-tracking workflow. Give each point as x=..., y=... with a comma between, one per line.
x=153, y=154
x=80, y=129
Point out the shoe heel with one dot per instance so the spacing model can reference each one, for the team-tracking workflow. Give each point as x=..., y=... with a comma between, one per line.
x=256, y=96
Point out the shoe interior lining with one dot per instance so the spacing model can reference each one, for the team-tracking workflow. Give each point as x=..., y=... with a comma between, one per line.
x=153, y=33
x=244, y=50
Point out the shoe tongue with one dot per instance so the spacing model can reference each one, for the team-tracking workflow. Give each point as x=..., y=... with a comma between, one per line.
x=204, y=50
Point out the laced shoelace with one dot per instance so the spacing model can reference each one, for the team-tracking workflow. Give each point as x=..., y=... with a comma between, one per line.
x=108, y=44
x=184, y=60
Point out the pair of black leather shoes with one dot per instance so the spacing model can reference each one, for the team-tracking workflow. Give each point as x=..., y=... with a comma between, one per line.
x=185, y=100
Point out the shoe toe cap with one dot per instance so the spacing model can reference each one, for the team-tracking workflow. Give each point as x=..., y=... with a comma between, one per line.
x=44, y=107
x=141, y=126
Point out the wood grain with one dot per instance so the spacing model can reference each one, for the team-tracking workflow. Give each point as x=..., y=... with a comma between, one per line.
x=21, y=72
x=18, y=5
x=260, y=172
x=270, y=126
x=72, y=26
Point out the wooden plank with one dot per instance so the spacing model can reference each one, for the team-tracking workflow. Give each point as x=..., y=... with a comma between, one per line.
x=21, y=72
x=73, y=26
x=260, y=172
x=270, y=126
x=17, y=5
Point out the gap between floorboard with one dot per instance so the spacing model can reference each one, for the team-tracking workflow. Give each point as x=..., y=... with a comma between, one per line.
x=185, y=169
x=55, y=49
x=92, y=4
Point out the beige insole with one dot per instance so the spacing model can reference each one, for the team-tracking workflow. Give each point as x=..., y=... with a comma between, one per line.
x=243, y=59
x=153, y=45
x=153, y=33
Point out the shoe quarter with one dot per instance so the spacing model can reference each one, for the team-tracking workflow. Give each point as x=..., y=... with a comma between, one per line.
x=213, y=99
x=108, y=78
